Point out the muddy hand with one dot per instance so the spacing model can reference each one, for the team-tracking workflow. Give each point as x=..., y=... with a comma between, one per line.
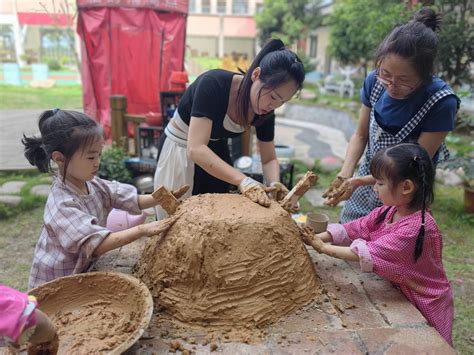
x=48, y=348
x=309, y=238
x=277, y=191
x=334, y=186
x=181, y=191
x=342, y=193
x=158, y=227
x=317, y=244
x=254, y=191
x=306, y=234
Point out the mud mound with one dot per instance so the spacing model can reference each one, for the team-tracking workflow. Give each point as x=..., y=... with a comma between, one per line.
x=228, y=262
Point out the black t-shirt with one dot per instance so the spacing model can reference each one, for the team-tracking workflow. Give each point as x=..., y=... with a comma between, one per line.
x=208, y=96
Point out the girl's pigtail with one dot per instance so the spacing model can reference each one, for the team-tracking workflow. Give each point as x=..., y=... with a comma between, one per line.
x=421, y=234
x=35, y=153
x=382, y=216
x=35, y=149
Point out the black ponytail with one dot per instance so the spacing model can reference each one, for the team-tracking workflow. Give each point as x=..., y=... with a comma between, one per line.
x=35, y=150
x=35, y=153
x=278, y=65
x=421, y=233
x=382, y=216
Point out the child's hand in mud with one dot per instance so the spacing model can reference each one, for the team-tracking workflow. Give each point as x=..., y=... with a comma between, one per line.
x=306, y=234
x=44, y=340
x=158, y=227
x=309, y=238
x=48, y=348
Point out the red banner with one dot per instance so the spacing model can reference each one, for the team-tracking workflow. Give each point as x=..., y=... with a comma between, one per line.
x=45, y=19
x=160, y=5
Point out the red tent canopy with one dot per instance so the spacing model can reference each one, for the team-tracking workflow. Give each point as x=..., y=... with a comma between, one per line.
x=130, y=48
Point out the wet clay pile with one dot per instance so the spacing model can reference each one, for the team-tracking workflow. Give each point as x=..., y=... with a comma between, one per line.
x=228, y=262
x=95, y=312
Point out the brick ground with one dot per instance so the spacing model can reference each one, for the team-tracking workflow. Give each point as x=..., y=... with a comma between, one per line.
x=357, y=314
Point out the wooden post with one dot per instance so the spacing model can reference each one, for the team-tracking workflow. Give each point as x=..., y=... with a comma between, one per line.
x=118, y=105
x=135, y=120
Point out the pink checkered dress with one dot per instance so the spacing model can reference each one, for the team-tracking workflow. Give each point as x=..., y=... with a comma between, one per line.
x=74, y=226
x=388, y=250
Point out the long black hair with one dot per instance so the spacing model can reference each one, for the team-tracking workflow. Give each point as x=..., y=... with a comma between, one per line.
x=278, y=65
x=416, y=41
x=407, y=161
x=62, y=131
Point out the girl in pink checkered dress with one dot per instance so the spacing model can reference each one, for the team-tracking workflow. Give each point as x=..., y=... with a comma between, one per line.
x=75, y=233
x=400, y=240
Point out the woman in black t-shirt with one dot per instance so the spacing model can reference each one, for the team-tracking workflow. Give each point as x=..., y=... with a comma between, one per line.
x=219, y=105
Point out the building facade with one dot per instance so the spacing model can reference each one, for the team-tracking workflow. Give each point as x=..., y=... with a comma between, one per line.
x=34, y=31
x=218, y=28
x=316, y=45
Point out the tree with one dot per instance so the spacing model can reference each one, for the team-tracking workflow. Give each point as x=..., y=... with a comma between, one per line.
x=357, y=27
x=287, y=20
x=456, y=41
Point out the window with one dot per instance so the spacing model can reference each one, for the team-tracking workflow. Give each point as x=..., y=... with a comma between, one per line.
x=240, y=7
x=192, y=6
x=206, y=6
x=56, y=44
x=7, y=44
x=221, y=6
x=258, y=8
x=313, y=46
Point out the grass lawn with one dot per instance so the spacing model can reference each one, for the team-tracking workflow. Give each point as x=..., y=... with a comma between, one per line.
x=12, y=97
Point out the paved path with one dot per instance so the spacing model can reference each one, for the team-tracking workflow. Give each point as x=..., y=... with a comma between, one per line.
x=300, y=127
x=13, y=123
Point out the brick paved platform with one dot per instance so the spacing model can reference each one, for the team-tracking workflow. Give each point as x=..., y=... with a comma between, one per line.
x=359, y=313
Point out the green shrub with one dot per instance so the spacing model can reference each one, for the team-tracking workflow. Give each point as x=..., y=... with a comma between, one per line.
x=53, y=64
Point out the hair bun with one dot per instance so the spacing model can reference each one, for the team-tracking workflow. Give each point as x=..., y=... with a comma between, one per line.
x=429, y=18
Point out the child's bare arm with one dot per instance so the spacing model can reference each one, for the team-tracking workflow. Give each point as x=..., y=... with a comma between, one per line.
x=44, y=340
x=320, y=243
x=118, y=239
x=325, y=237
x=344, y=253
x=307, y=235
